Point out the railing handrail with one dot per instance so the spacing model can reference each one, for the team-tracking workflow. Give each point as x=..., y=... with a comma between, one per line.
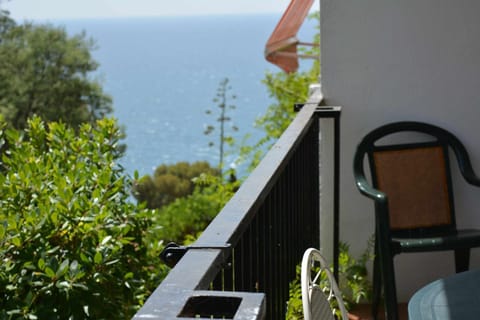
x=224, y=228
x=214, y=250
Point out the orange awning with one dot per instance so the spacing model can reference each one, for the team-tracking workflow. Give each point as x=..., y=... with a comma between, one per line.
x=281, y=47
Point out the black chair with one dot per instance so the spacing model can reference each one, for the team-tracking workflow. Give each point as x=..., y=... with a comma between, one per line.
x=412, y=191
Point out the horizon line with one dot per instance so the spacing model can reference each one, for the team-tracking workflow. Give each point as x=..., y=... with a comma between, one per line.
x=226, y=14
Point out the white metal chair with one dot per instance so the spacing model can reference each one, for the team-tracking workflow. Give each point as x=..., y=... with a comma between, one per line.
x=319, y=288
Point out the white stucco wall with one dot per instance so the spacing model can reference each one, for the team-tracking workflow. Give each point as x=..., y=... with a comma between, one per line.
x=390, y=60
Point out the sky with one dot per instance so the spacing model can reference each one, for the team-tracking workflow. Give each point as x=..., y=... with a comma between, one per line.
x=79, y=9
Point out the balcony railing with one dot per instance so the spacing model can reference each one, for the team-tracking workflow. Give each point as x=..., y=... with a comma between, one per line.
x=242, y=264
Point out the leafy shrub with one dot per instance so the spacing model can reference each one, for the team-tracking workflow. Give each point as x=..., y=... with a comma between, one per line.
x=71, y=245
x=170, y=182
x=182, y=220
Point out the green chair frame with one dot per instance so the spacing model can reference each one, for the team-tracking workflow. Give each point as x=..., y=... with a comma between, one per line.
x=393, y=235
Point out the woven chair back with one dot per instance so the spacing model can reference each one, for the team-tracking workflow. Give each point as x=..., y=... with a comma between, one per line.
x=416, y=181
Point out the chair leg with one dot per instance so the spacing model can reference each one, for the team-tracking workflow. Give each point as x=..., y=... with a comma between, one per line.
x=389, y=286
x=462, y=259
x=377, y=285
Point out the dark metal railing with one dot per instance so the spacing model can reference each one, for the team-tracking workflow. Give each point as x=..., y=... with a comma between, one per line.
x=242, y=264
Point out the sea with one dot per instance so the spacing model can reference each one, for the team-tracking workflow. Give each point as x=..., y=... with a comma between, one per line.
x=163, y=74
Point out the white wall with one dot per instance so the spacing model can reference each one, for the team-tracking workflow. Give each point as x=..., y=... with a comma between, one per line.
x=390, y=60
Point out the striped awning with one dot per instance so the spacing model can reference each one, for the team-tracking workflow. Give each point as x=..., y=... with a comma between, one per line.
x=281, y=47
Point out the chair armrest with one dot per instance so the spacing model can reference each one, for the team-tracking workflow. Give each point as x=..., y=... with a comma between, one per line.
x=463, y=160
x=361, y=181
x=381, y=203
x=468, y=173
x=367, y=190
x=382, y=220
x=473, y=180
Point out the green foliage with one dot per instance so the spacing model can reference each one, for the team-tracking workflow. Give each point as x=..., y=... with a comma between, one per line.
x=222, y=99
x=285, y=89
x=353, y=282
x=170, y=182
x=5, y=22
x=45, y=72
x=71, y=245
x=353, y=273
x=294, y=305
x=185, y=218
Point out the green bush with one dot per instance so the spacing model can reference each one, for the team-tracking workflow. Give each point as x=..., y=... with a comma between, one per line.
x=71, y=245
x=184, y=219
x=170, y=182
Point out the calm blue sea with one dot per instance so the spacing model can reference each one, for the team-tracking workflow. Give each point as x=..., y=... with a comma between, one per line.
x=164, y=72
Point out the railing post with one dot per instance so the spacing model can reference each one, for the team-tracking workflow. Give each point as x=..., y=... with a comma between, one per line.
x=334, y=113
x=327, y=112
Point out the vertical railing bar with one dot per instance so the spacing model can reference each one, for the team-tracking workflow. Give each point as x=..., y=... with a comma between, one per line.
x=278, y=244
x=313, y=189
x=285, y=279
x=228, y=269
x=247, y=260
x=300, y=213
x=230, y=284
x=217, y=283
x=306, y=193
x=271, y=209
x=257, y=272
x=239, y=274
x=268, y=255
x=288, y=228
x=289, y=223
x=277, y=250
x=274, y=258
x=297, y=212
x=263, y=256
x=253, y=272
x=336, y=201
x=303, y=212
x=238, y=260
x=301, y=200
x=306, y=207
x=316, y=183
